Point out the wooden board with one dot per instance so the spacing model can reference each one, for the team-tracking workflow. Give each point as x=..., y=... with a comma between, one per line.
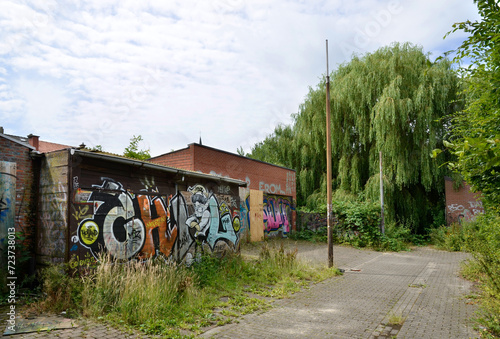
x=256, y=215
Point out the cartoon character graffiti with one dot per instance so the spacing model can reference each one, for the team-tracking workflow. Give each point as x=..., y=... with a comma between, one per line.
x=212, y=222
x=200, y=219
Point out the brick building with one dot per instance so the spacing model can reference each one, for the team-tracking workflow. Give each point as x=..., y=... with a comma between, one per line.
x=73, y=203
x=276, y=183
x=461, y=202
x=18, y=163
x=95, y=202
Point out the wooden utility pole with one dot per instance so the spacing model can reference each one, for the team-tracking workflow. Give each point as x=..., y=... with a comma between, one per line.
x=382, y=217
x=328, y=166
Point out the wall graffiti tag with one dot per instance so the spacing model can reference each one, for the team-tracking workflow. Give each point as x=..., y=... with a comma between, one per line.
x=277, y=213
x=460, y=213
x=115, y=225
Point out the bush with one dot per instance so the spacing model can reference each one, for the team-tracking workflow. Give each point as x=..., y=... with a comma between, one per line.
x=318, y=235
x=449, y=238
x=481, y=238
x=358, y=222
x=483, y=241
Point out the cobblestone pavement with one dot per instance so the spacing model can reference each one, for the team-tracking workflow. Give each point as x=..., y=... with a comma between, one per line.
x=418, y=292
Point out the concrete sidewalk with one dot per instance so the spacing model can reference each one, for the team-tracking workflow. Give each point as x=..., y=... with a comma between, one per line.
x=421, y=287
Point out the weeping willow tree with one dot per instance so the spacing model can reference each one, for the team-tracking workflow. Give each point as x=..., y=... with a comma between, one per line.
x=391, y=101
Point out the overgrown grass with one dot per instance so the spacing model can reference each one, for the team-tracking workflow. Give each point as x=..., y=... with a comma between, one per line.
x=179, y=301
x=481, y=238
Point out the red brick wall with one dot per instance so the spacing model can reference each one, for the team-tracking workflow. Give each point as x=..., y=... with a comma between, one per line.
x=273, y=180
x=25, y=193
x=461, y=204
x=182, y=159
x=260, y=176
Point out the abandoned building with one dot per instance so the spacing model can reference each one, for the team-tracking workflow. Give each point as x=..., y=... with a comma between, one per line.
x=271, y=188
x=73, y=204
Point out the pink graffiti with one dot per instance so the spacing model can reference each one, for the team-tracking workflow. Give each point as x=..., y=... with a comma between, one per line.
x=277, y=214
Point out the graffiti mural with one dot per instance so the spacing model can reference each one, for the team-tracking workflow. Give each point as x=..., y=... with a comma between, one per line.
x=147, y=224
x=277, y=214
x=210, y=224
x=116, y=225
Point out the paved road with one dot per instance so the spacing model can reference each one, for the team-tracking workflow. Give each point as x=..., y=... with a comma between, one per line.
x=422, y=287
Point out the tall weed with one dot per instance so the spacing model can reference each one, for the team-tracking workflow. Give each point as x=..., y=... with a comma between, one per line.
x=483, y=242
x=449, y=238
x=480, y=237
x=161, y=298
x=62, y=290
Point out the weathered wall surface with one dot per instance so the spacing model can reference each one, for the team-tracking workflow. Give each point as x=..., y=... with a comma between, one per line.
x=17, y=190
x=141, y=214
x=461, y=204
x=278, y=215
x=53, y=208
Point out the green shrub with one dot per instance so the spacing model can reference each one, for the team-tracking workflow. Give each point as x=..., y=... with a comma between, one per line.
x=480, y=237
x=318, y=235
x=449, y=238
x=483, y=242
x=396, y=238
x=358, y=224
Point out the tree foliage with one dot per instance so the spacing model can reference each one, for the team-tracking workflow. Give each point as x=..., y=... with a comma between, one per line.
x=475, y=138
x=132, y=151
x=391, y=101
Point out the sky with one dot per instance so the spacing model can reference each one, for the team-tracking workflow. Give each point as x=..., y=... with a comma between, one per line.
x=228, y=71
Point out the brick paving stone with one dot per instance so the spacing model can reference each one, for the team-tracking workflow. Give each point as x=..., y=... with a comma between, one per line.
x=422, y=286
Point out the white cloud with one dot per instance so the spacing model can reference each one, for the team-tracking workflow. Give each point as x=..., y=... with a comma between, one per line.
x=102, y=71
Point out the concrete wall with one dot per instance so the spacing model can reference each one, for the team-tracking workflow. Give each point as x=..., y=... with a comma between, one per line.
x=461, y=204
x=52, y=237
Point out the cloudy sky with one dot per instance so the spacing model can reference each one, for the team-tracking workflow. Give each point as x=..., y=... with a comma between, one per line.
x=101, y=71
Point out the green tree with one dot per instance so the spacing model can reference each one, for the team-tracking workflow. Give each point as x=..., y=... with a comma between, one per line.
x=391, y=101
x=132, y=151
x=475, y=137
x=275, y=147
